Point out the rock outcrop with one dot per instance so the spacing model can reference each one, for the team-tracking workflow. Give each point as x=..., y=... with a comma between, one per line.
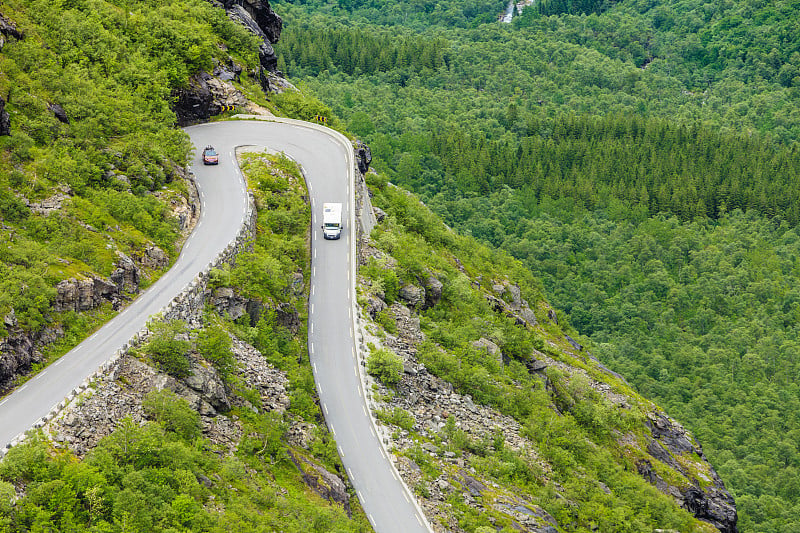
x=8, y=29
x=321, y=480
x=59, y=113
x=363, y=157
x=197, y=101
x=258, y=17
x=84, y=294
x=205, y=96
x=707, y=498
x=5, y=119
x=19, y=349
x=126, y=274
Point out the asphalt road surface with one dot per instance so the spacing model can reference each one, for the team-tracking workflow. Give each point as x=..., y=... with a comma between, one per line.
x=328, y=166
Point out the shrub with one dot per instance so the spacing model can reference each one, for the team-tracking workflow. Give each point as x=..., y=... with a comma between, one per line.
x=398, y=417
x=169, y=352
x=214, y=344
x=386, y=366
x=173, y=413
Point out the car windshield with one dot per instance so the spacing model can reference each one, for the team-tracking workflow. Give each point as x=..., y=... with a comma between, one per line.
x=210, y=151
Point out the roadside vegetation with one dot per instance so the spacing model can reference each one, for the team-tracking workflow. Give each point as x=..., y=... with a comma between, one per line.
x=165, y=475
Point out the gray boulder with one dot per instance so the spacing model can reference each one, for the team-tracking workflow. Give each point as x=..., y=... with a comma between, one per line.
x=5, y=119
x=412, y=295
x=126, y=275
x=433, y=291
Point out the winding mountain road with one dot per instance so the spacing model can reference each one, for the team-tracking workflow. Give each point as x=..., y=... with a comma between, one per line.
x=327, y=161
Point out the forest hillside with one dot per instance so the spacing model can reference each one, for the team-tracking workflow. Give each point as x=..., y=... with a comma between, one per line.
x=640, y=158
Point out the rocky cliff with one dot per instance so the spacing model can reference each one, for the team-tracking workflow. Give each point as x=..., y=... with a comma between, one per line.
x=207, y=94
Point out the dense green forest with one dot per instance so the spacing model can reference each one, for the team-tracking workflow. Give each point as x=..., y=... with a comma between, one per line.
x=642, y=159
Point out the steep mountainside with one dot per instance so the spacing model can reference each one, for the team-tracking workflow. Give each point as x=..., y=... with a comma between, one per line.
x=641, y=159
x=94, y=196
x=498, y=416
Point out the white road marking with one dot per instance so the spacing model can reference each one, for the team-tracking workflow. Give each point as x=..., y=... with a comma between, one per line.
x=4, y=401
x=40, y=374
x=312, y=349
x=373, y=431
x=58, y=362
x=406, y=497
x=419, y=520
x=315, y=367
x=313, y=271
x=23, y=387
x=359, y=393
x=312, y=328
x=364, y=409
x=341, y=451
x=315, y=253
x=394, y=475
x=312, y=289
x=325, y=406
x=312, y=309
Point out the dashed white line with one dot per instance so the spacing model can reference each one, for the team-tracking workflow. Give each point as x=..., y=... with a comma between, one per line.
x=315, y=367
x=312, y=289
x=406, y=497
x=311, y=347
x=4, y=401
x=364, y=409
x=350, y=473
x=325, y=407
x=319, y=386
x=312, y=328
x=419, y=520
x=315, y=253
x=312, y=309
x=58, y=362
x=341, y=451
x=313, y=271
x=359, y=393
x=23, y=387
x=40, y=374
x=373, y=431
x=394, y=475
